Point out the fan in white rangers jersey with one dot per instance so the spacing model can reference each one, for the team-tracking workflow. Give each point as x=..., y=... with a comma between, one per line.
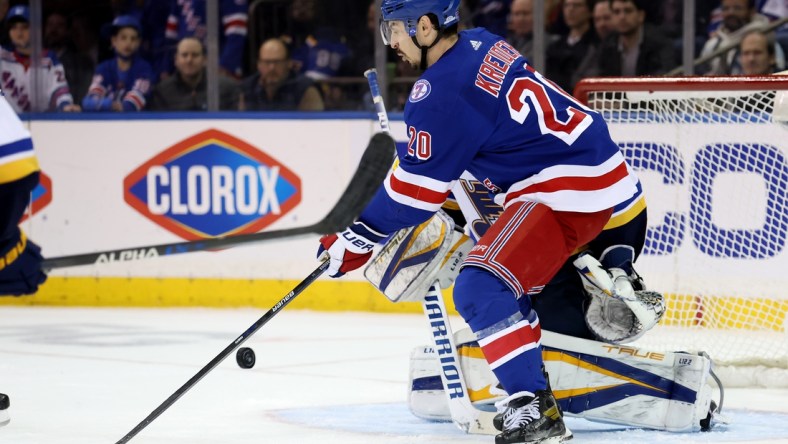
x=15, y=71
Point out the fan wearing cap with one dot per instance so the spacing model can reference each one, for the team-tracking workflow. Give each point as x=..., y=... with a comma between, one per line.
x=15, y=73
x=123, y=82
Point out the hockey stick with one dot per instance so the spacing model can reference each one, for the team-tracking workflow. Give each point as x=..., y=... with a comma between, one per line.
x=374, y=164
x=377, y=99
x=467, y=417
x=226, y=352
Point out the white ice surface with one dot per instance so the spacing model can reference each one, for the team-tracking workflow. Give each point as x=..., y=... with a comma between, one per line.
x=85, y=376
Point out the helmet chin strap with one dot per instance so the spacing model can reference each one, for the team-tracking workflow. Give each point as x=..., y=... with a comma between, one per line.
x=424, y=49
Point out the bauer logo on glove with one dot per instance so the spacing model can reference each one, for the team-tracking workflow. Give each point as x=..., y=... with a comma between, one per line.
x=349, y=249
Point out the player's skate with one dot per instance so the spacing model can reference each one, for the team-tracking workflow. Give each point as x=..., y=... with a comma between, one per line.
x=527, y=419
x=4, y=404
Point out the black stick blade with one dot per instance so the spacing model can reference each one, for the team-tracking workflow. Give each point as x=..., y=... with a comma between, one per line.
x=372, y=169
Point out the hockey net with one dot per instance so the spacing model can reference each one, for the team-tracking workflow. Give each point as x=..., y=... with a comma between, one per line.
x=711, y=155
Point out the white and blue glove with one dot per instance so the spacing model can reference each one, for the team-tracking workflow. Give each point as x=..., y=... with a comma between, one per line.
x=349, y=249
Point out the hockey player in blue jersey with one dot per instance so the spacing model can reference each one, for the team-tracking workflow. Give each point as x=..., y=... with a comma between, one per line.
x=122, y=83
x=20, y=258
x=545, y=158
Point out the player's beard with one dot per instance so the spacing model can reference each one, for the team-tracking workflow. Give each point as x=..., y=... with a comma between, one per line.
x=406, y=59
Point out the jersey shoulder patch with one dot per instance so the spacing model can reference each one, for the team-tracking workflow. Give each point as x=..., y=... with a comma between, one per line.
x=421, y=89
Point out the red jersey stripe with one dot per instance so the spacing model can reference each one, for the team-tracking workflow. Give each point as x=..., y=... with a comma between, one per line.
x=524, y=334
x=417, y=192
x=575, y=183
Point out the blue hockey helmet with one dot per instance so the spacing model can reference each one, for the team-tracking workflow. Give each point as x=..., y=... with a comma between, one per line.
x=409, y=12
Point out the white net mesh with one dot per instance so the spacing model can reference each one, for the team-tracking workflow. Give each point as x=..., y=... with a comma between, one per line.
x=712, y=159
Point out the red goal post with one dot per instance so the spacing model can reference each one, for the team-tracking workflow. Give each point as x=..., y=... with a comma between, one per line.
x=712, y=154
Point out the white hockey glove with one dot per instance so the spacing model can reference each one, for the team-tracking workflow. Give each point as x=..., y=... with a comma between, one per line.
x=621, y=310
x=349, y=249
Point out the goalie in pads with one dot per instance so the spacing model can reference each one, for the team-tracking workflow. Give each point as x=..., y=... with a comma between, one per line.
x=603, y=381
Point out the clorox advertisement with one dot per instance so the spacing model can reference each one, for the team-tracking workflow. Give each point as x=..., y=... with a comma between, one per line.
x=212, y=184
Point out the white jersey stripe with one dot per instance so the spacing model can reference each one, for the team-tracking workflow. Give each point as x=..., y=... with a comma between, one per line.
x=523, y=323
x=422, y=181
x=580, y=201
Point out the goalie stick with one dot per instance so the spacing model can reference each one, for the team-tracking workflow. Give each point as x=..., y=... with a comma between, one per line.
x=467, y=417
x=226, y=352
x=374, y=164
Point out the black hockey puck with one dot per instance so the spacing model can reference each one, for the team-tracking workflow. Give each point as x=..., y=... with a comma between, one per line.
x=245, y=357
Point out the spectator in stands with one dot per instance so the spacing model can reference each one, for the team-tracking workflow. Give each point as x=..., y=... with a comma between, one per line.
x=520, y=35
x=123, y=82
x=154, y=47
x=187, y=19
x=756, y=53
x=492, y=14
x=78, y=67
x=85, y=36
x=738, y=16
x=635, y=48
x=362, y=48
x=322, y=55
x=603, y=19
x=276, y=86
x=303, y=22
x=15, y=72
x=187, y=89
x=565, y=55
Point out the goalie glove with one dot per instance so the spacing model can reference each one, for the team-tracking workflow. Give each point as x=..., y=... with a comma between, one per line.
x=349, y=249
x=620, y=310
x=20, y=266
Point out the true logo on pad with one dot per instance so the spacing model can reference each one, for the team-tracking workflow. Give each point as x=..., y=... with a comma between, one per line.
x=212, y=184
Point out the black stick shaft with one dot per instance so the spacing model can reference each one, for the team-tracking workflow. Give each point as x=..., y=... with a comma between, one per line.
x=150, y=251
x=226, y=352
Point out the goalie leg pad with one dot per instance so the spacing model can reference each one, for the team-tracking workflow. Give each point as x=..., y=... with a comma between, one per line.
x=426, y=398
x=597, y=381
x=630, y=386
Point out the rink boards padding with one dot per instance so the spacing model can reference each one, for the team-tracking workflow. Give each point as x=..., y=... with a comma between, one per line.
x=122, y=181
